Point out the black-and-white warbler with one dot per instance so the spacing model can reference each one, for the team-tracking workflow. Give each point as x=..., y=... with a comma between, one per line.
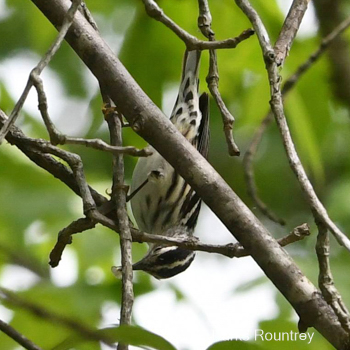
x=166, y=205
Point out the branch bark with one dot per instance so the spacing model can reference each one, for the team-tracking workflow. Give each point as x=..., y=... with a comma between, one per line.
x=318, y=210
x=149, y=122
x=289, y=29
x=191, y=42
x=287, y=86
x=66, y=23
x=119, y=194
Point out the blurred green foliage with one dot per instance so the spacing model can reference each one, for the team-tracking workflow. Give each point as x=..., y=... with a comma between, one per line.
x=153, y=54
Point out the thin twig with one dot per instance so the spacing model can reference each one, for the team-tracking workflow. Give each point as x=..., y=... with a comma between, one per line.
x=231, y=250
x=103, y=146
x=250, y=175
x=287, y=86
x=72, y=159
x=259, y=28
x=68, y=20
x=56, y=137
x=289, y=29
x=191, y=42
x=119, y=194
x=65, y=237
x=204, y=24
x=325, y=278
x=204, y=19
x=18, y=337
x=317, y=208
x=86, y=12
x=36, y=150
x=75, y=164
x=324, y=45
x=39, y=311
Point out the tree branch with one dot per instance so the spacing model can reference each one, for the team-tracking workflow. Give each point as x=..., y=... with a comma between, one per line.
x=325, y=44
x=289, y=29
x=325, y=278
x=150, y=123
x=204, y=24
x=119, y=194
x=57, y=138
x=35, y=150
x=287, y=86
x=249, y=171
x=103, y=146
x=191, y=42
x=18, y=337
x=231, y=250
x=66, y=23
x=318, y=210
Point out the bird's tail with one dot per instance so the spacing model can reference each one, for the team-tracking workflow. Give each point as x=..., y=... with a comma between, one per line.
x=191, y=64
x=187, y=99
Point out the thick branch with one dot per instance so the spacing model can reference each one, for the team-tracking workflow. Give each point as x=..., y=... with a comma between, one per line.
x=150, y=123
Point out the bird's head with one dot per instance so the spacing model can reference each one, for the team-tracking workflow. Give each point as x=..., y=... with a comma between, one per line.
x=165, y=261
x=162, y=262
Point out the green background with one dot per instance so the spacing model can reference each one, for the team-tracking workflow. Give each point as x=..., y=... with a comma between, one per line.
x=34, y=203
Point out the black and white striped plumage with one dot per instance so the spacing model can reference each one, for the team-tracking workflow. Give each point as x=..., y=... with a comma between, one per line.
x=167, y=205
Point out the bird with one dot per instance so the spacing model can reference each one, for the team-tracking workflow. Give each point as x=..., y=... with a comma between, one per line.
x=162, y=202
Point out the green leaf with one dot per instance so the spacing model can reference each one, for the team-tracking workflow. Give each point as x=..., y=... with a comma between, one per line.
x=234, y=344
x=131, y=335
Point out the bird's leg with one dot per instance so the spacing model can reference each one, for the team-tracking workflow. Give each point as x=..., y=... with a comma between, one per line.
x=156, y=174
x=131, y=195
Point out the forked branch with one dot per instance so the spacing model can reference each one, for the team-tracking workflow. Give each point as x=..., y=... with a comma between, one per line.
x=258, y=135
